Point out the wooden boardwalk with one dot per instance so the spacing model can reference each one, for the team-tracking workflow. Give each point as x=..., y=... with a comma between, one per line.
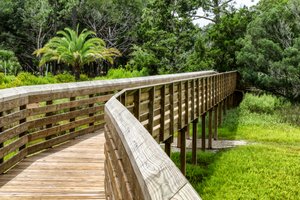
x=74, y=170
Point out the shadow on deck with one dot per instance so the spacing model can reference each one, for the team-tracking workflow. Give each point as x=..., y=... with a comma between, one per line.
x=73, y=170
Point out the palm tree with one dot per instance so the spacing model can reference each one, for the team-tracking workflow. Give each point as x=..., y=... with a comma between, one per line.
x=76, y=49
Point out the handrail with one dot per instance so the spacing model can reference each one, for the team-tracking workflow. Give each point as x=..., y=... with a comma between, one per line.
x=34, y=118
x=136, y=167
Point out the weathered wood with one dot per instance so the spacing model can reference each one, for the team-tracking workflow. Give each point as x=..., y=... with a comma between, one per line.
x=13, y=146
x=180, y=111
x=151, y=110
x=22, y=121
x=183, y=150
x=148, y=153
x=172, y=115
x=210, y=130
x=203, y=131
x=194, y=142
x=216, y=122
x=137, y=99
x=162, y=115
x=71, y=110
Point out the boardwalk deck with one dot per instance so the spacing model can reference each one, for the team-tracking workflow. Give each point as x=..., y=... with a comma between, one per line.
x=74, y=170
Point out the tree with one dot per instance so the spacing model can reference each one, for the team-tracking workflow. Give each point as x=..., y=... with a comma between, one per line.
x=166, y=35
x=76, y=50
x=9, y=63
x=270, y=50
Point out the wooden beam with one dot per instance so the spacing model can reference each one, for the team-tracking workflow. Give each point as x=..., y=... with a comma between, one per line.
x=48, y=103
x=151, y=109
x=183, y=151
x=1, y=144
x=210, y=131
x=23, y=107
x=194, y=142
x=203, y=131
x=179, y=113
x=216, y=122
x=162, y=113
x=72, y=109
x=137, y=99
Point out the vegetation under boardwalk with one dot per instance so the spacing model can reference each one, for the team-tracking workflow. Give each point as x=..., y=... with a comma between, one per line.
x=74, y=170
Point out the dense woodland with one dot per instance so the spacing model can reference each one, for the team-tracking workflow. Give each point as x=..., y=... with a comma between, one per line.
x=159, y=36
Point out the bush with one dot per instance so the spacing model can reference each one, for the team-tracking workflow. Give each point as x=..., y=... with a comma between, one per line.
x=65, y=78
x=260, y=104
x=26, y=78
x=84, y=77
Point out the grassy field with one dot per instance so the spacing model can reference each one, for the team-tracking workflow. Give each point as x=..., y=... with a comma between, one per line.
x=268, y=168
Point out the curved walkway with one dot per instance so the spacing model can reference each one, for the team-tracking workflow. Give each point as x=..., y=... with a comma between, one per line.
x=74, y=170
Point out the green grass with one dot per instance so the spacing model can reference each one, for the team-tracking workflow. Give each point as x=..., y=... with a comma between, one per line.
x=259, y=128
x=267, y=168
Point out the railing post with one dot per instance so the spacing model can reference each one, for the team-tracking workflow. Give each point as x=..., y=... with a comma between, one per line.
x=194, y=142
x=72, y=109
x=90, y=106
x=187, y=116
x=179, y=113
x=183, y=151
x=50, y=102
x=203, y=131
x=151, y=109
x=162, y=113
x=210, y=129
x=216, y=122
x=137, y=99
x=198, y=97
x=23, y=107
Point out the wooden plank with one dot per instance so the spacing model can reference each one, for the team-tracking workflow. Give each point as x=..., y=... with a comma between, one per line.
x=203, y=131
x=13, y=103
x=58, y=129
x=72, y=119
x=194, y=142
x=13, y=146
x=183, y=151
x=60, y=139
x=210, y=130
x=172, y=116
x=65, y=116
x=216, y=122
x=162, y=115
x=13, y=132
x=67, y=105
x=12, y=161
x=14, y=117
x=137, y=99
x=151, y=110
x=22, y=121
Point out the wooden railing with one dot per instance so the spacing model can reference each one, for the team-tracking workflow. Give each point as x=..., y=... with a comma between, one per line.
x=140, y=118
x=34, y=118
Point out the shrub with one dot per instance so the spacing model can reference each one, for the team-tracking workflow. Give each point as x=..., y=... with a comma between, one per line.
x=84, y=77
x=26, y=78
x=260, y=104
x=65, y=78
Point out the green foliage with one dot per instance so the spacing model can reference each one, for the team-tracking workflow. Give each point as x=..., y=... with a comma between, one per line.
x=123, y=73
x=84, y=77
x=76, y=49
x=65, y=78
x=263, y=118
x=9, y=63
x=260, y=104
x=271, y=48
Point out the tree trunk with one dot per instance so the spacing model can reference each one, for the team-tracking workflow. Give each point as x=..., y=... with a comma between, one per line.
x=77, y=72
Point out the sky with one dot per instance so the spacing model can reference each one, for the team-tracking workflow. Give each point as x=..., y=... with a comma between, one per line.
x=239, y=4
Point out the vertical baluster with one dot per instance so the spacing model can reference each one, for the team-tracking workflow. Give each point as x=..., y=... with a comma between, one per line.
x=151, y=109
x=72, y=109
x=137, y=99
x=162, y=111
x=194, y=142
